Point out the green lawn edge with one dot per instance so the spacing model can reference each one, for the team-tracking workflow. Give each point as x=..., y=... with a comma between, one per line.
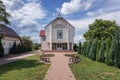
x=88, y=69
x=25, y=69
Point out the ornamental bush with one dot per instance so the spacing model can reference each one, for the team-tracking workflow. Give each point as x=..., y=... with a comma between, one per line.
x=98, y=48
x=79, y=48
x=88, y=47
x=93, y=49
x=108, y=44
x=1, y=48
x=101, y=56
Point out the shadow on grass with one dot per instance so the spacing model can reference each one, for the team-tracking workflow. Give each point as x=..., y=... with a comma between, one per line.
x=18, y=65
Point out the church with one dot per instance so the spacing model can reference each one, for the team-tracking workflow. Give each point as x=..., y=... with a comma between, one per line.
x=57, y=35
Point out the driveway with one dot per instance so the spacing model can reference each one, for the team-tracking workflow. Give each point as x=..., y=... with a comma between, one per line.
x=12, y=58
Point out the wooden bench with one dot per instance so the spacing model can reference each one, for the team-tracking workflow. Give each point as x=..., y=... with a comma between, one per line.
x=74, y=59
x=46, y=59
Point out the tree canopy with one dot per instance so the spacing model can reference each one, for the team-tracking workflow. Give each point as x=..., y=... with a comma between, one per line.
x=4, y=15
x=101, y=29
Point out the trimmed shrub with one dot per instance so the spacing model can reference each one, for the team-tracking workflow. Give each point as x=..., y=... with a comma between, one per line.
x=1, y=48
x=98, y=48
x=101, y=56
x=79, y=48
x=14, y=49
x=88, y=48
x=108, y=44
x=75, y=47
x=112, y=51
x=93, y=49
x=117, y=53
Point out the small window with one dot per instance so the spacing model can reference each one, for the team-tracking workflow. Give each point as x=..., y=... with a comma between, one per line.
x=59, y=34
x=44, y=38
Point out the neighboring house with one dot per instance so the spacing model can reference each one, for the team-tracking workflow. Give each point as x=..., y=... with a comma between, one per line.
x=57, y=35
x=9, y=37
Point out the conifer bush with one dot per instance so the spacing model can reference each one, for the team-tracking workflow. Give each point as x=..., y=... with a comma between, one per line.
x=98, y=48
x=88, y=48
x=93, y=49
x=1, y=48
x=108, y=44
x=79, y=48
x=101, y=56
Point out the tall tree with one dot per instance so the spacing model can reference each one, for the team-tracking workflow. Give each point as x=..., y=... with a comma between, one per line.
x=27, y=42
x=4, y=15
x=101, y=29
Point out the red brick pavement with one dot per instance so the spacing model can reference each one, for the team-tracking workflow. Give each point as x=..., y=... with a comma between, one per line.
x=59, y=69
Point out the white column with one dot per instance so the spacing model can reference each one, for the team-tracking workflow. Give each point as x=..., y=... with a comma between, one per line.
x=68, y=46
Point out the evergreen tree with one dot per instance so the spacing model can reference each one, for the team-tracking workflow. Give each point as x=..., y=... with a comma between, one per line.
x=1, y=48
x=84, y=46
x=117, y=52
x=98, y=48
x=75, y=47
x=101, y=56
x=88, y=48
x=14, y=49
x=79, y=48
x=108, y=44
x=112, y=51
x=93, y=49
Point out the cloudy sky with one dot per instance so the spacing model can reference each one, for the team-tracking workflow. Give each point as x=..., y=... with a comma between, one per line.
x=30, y=16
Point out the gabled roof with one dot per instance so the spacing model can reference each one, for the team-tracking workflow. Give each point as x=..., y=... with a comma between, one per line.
x=59, y=18
x=42, y=33
x=4, y=30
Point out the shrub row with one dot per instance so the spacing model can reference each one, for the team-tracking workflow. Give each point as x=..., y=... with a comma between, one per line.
x=106, y=51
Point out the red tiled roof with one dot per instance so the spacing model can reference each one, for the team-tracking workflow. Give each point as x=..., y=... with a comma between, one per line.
x=42, y=33
x=7, y=31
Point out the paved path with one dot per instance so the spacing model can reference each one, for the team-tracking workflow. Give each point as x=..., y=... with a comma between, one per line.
x=17, y=57
x=59, y=69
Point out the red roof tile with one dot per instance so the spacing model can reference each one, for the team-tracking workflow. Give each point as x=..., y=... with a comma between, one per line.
x=42, y=33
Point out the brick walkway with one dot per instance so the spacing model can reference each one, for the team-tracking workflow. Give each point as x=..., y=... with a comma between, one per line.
x=59, y=69
x=17, y=57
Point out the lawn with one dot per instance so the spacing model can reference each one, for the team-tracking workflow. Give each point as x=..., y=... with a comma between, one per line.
x=26, y=69
x=87, y=69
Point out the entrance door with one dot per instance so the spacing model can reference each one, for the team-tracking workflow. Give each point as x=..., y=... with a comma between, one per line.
x=59, y=46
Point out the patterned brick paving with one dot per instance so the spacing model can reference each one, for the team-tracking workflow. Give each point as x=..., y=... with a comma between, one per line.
x=59, y=69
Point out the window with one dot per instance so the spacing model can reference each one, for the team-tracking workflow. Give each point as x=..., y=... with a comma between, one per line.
x=44, y=38
x=59, y=34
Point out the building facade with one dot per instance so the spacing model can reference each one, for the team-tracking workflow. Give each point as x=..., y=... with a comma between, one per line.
x=9, y=37
x=57, y=35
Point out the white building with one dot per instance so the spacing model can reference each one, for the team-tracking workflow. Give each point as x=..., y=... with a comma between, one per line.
x=9, y=37
x=57, y=35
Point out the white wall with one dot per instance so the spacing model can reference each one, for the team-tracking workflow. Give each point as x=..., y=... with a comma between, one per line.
x=8, y=42
x=51, y=34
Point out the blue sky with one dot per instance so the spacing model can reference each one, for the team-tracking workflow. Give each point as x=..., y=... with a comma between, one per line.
x=30, y=16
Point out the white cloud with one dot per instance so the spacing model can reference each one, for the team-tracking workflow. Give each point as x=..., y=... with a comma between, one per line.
x=81, y=25
x=70, y=7
x=75, y=6
x=25, y=15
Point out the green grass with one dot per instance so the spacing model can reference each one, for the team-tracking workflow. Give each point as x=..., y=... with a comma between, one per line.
x=87, y=69
x=26, y=69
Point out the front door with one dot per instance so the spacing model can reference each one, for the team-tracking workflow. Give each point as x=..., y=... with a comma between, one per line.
x=59, y=46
